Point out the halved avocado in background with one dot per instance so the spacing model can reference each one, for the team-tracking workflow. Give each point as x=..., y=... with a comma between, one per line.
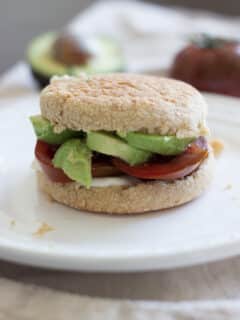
x=44, y=65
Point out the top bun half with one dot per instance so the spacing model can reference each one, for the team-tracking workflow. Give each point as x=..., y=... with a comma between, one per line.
x=125, y=102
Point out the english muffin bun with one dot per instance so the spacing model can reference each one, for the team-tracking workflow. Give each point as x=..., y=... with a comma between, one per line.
x=168, y=164
x=125, y=102
x=137, y=197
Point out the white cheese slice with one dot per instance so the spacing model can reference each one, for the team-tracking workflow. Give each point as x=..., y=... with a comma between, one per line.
x=114, y=181
x=102, y=182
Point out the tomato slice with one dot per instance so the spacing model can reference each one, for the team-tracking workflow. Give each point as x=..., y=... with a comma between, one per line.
x=44, y=153
x=171, y=169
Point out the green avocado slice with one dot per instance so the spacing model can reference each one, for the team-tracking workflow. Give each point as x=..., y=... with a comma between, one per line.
x=39, y=55
x=74, y=158
x=121, y=134
x=44, y=131
x=164, y=145
x=112, y=145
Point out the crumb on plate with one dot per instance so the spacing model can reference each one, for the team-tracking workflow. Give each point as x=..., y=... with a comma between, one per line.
x=49, y=198
x=44, y=228
x=12, y=223
x=228, y=187
x=217, y=146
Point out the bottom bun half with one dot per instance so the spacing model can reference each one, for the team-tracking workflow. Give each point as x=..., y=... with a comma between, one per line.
x=134, y=198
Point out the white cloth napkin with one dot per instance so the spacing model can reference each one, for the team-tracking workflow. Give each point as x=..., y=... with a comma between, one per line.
x=26, y=302
x=150, y=36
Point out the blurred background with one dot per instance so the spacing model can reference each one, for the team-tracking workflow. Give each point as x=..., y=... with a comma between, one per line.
x=20, y=20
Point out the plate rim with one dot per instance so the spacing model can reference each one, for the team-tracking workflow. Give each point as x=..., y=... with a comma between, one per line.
x=128, y=263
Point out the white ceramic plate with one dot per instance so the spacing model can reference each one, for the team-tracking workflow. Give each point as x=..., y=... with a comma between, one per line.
x=206, y=229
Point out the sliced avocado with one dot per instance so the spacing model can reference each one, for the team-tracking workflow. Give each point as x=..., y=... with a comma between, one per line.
x=109, y=144
x=121, y=134
x=44, y=131
x=165, y=145
x=42, y=61
x=74, y=158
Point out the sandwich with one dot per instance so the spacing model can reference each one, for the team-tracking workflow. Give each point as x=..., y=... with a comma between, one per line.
x=122, y=143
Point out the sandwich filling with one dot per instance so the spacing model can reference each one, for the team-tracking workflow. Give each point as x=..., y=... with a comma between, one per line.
x=79, y=156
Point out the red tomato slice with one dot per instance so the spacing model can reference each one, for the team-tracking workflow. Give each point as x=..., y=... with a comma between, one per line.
x=44, y=153
x=175, y=168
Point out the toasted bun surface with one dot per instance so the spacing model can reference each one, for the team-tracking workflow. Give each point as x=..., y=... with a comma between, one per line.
x=132, y=199
x=125, y=102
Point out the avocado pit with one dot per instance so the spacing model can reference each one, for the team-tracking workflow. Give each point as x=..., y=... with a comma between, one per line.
x=71, y=50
